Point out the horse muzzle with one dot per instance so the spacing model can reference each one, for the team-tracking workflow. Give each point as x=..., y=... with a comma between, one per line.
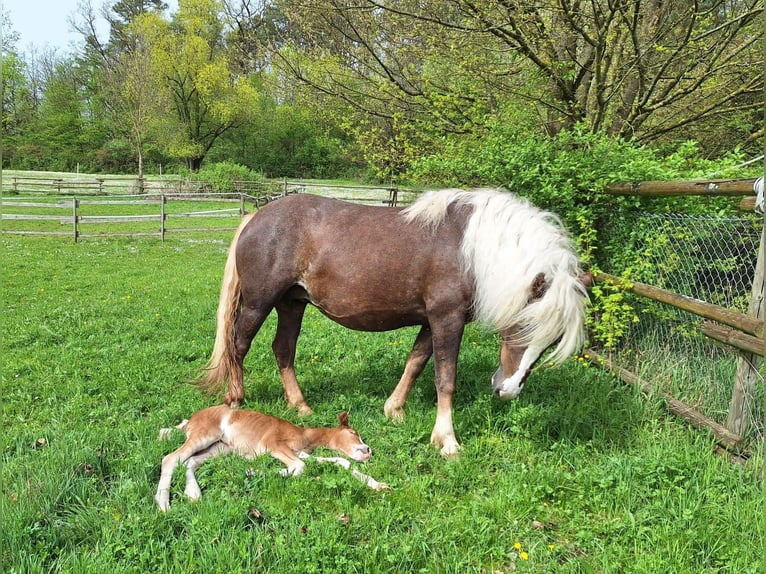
x=508, y=388
x=361, y=453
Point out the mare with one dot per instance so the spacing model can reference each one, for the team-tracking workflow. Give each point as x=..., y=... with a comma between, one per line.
x=451, y=257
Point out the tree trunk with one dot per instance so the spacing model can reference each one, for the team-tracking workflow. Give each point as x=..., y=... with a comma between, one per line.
x=194, y=163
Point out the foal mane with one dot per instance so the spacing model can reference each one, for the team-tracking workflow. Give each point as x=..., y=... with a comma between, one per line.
x=507, y=243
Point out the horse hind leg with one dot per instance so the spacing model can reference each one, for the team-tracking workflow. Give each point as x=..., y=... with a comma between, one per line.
x=421, y=351
x=247, y=325
x=289, y=318
x=193, y=491
x=181, y=455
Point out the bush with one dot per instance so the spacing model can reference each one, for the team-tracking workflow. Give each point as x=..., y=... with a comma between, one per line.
x=222, y=176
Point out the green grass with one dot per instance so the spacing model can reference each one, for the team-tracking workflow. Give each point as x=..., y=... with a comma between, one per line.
x=580, y=474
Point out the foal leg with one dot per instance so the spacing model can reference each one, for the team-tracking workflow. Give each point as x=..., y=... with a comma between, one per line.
x=289, y=318
x=295, y=466
x=422, y=350
x=365, y=478
x=171, y=461
x=193, y=463
x=446, y=338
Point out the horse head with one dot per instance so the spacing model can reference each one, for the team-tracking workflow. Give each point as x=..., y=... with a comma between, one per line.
x=519, y=351
x=347, y=441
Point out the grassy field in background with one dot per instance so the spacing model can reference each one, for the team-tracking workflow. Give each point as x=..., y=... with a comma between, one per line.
x=580, y=474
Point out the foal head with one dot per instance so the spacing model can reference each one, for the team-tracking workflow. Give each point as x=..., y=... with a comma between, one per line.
x=346, y=440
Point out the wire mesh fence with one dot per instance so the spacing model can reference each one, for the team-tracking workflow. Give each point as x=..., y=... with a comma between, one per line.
x=709, y=258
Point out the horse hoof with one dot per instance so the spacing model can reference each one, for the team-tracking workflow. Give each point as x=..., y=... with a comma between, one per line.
x=450, y=451
x=304, y=410
x=395, y=414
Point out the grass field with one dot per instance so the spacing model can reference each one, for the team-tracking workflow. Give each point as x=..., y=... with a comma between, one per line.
x=580, y=474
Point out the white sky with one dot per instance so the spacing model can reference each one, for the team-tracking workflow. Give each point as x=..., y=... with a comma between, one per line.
x=44, y=23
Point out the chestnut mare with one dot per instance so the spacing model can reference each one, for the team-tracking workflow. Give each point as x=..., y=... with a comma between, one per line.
x=449, y=258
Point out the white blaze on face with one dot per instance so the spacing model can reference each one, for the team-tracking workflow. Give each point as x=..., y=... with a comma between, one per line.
x=511, y=387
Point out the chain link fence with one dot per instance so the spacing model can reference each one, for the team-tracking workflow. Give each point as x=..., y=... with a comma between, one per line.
x=709, y=258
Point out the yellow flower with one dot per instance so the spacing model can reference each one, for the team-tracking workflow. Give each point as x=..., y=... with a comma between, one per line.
x=551, y=546
x=517, y=546
x=524, y=556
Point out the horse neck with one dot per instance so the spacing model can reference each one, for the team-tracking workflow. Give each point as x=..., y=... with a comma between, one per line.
x=315, y=437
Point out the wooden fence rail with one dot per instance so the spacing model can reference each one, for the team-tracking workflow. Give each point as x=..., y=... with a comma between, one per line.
x=747, y=323
x=742, y=331
x=665, y=188
x=76, y=219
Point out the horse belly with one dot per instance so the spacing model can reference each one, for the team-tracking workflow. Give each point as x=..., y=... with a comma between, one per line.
x=374, y=320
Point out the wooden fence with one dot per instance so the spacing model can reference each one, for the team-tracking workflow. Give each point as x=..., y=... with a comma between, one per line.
x=742, y=331
x=106, y=216
x=99, y=207
x=91, y=207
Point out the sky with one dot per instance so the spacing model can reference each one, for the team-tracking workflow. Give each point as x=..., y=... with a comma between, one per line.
x=44, y=23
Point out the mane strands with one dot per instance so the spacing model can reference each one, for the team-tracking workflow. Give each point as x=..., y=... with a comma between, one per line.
x=506, y=244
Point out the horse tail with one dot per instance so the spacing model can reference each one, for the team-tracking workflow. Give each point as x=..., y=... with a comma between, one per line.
x=223, y=361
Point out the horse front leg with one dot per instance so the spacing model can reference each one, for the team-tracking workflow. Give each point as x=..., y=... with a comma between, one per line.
x=446, y=346
x=289, y=318
x=421, y=351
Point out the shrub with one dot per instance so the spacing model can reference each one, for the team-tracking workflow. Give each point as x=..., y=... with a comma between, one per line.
x=222, y=176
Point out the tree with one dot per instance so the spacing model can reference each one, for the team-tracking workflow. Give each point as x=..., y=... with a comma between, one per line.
x=638, y=69
x=208, y=97
x=59, y=130
x=133, y=90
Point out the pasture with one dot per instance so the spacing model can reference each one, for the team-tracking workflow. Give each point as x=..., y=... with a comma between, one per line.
x=580, y=474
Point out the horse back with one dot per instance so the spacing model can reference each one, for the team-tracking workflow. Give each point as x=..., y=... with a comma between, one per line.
x=359, y=264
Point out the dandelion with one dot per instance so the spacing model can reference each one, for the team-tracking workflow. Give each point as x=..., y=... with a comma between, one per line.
x=551, y=546
x=517, y=546
x=524, y=555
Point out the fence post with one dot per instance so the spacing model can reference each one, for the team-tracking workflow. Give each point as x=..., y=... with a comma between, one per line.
x=75, y=203
x=241, y=204
x=748, y=364
x=162, y=217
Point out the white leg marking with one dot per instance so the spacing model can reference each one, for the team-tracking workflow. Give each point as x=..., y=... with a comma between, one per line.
x=295, y=469
x=443, y=434
x=366, y=479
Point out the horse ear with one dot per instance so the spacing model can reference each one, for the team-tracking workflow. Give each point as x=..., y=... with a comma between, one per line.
x=343, y=419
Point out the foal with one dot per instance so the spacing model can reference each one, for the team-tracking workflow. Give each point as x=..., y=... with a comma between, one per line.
x=220, y=430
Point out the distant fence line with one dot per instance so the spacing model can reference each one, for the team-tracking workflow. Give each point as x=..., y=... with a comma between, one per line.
x=69, y=212
x=176, y=186
x=93, y=204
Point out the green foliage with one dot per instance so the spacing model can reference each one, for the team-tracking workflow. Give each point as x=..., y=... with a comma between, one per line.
x=222, y=176
x=287, y=141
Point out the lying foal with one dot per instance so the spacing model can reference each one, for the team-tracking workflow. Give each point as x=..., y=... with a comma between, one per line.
x=220, y=430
